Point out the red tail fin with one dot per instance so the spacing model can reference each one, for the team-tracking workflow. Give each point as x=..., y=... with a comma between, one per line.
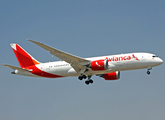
x=24, y=58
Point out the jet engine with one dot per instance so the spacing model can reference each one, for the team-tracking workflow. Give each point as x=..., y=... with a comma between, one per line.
x=112, y=76
x=99, y=65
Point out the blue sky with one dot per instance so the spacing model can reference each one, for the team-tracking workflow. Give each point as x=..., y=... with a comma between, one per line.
x=84, y=28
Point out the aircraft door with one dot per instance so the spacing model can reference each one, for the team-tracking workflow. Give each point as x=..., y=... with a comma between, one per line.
x=143, y=57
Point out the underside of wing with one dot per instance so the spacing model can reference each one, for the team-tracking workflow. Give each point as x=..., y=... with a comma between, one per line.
x=78, y=63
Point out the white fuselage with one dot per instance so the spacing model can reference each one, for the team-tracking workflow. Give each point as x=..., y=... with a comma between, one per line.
x=120, y=62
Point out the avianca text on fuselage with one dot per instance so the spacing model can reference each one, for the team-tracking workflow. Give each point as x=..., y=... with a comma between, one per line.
x=121, y=58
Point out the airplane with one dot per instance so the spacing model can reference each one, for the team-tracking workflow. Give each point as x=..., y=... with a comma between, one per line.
x=108, y=67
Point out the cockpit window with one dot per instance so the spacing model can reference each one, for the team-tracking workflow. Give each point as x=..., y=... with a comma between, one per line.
x=154, y=56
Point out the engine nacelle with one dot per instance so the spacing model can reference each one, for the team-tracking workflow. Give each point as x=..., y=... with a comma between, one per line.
x=99, y=65
x=112, y=76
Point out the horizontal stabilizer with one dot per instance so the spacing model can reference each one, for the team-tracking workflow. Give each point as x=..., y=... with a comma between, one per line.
x=16, y=68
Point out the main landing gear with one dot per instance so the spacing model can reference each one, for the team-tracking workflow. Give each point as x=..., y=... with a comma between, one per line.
x=148, y=71
x=87, y=81
x=82, y=77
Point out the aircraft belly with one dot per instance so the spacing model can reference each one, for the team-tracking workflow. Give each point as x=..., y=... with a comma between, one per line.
x=62, y=71
x=72, y=72
x=143, y=64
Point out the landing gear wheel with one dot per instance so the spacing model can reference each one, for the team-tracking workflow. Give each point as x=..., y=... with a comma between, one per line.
x=80, y=77
x=91, y=81
x=148, y=72
x=84, y=76
x=87, y=82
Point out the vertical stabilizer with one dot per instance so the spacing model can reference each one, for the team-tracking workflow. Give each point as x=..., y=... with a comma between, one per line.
x=24, y=58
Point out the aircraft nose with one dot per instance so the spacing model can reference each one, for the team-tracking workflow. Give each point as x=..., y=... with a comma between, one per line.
x=157, y=62
x=160, y=61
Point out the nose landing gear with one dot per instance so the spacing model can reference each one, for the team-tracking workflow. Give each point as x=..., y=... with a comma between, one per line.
x=148, y=71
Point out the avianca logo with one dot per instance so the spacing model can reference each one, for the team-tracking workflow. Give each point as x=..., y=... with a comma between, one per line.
x=98, y=64
x=121, y=58
x=135, y=57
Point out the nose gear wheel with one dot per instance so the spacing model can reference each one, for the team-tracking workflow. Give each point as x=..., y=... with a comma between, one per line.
x=148, y=71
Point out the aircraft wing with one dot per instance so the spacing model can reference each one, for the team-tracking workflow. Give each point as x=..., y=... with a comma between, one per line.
x=78, y=63
x=16, y=68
